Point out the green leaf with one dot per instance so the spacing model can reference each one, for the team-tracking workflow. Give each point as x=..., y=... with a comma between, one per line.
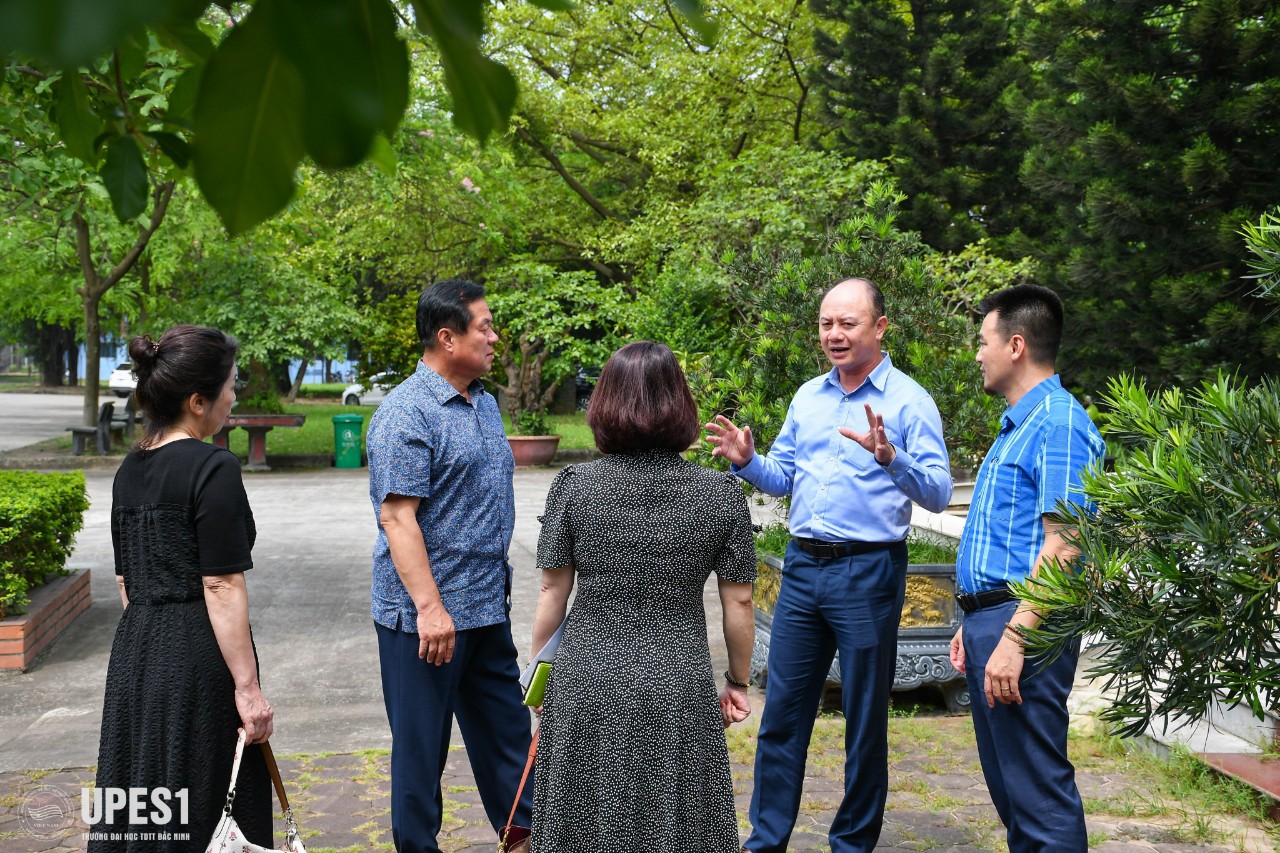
x=484, y=91
x=383, y=156
x=554, y=5
x=125, y=176
x=182, y=98
x=187, y=39
x=72, y=32
x=173, y=146
x=706, y=29
x=131, y=53
x=248, y=126
x=77, y=124
x=355, y=72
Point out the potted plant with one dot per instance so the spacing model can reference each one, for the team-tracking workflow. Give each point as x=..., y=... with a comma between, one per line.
x=929, y=617
x=550, y=322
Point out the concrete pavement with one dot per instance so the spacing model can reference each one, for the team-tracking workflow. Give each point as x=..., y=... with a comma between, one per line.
x=28, y=418
x=309, y=606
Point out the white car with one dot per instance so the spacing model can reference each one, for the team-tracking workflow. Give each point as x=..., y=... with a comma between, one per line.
x=122, y=382
x=379, y=385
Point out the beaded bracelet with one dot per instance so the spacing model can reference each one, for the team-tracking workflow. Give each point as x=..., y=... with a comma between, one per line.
x=735, y=682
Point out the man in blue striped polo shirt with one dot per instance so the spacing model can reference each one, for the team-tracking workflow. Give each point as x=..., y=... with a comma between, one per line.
x=1046, y=441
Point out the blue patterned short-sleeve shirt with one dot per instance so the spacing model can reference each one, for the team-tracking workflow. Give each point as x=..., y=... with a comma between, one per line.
x=426, y=441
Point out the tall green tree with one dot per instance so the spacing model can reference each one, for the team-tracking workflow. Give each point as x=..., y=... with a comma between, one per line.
x=86, y=154
x=920, y=85
x=781, y=296
x=291, y=78
x=1155, y=126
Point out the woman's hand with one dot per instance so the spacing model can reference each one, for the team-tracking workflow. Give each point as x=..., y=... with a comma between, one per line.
x=735, y=705
x=256, y=715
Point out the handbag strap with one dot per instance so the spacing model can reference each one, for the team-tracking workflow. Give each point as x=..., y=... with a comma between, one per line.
x=271, y=768
x=528, y=765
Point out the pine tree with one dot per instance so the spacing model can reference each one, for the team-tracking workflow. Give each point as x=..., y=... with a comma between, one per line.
x=920, y=85
x=1156, y=127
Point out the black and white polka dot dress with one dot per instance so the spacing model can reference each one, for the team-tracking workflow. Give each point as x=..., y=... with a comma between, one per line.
x=632, y=752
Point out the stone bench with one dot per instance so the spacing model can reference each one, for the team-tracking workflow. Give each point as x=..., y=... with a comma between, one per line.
x=101, y=433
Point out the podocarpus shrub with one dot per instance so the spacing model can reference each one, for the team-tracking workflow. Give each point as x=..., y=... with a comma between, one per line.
x=40, y=515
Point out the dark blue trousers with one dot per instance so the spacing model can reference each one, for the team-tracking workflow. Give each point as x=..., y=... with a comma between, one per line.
x=1023, y=748
x=852, y=605
x=480, y=686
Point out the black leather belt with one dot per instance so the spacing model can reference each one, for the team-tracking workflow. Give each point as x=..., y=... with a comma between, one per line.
x=836, y=550
x=971, y=601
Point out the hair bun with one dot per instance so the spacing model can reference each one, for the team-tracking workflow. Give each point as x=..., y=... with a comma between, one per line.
x=143, y=350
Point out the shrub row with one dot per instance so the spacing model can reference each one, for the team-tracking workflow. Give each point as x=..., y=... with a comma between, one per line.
x=40, y=515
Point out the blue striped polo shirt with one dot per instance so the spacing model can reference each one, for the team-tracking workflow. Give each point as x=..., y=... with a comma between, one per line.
x=1045, y=443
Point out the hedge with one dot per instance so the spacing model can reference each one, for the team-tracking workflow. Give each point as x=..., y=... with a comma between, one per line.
x=40, y=515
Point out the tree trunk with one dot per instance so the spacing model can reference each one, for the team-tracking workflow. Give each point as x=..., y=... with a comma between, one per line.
x=71, y=351
x=297, y=380
x=48, y=353
x=92, y=351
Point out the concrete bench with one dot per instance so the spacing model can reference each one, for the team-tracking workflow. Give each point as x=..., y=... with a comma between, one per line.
x=124, y=421
x=101, y=433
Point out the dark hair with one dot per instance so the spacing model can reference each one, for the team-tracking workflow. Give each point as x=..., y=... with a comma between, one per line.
x=1032, y=311
x=873, y=292
x=446, y=305
x=642, y=402
x=186, y=360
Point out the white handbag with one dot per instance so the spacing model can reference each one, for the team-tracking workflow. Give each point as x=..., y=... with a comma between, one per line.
x=227, y=837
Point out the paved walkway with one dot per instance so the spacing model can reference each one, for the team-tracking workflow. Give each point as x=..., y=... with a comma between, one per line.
x=28, y=418
x=309, y=601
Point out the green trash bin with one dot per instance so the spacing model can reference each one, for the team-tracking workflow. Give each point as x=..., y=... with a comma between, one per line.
x=348, y=440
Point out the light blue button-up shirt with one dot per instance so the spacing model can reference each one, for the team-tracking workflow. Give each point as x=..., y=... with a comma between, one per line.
x=839, y=493
x=1046, y=442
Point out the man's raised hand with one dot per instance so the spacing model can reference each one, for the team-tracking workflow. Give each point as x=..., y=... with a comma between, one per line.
x=732, y=443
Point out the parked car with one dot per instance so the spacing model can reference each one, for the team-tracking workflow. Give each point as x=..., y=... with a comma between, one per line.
x=122, y=382
x=584, y=383
x=379, y=384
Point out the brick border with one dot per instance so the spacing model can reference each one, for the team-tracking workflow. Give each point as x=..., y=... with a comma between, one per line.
x=54, y=606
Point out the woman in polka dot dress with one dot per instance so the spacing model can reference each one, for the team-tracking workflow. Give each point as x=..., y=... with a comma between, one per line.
x=632, y=751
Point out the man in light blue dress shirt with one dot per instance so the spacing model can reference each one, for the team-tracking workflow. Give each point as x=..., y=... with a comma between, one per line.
x=1046, y=442
x=858, y=446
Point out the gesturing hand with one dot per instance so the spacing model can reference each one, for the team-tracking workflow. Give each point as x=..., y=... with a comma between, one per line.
x=875, y=441
x=732, y=443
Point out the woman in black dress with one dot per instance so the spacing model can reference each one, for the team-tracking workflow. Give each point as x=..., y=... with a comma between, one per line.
x=632, y=754
x=183, y=675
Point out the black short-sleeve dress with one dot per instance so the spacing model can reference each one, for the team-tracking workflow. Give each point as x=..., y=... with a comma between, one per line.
x=169, y=718
x=632, y=750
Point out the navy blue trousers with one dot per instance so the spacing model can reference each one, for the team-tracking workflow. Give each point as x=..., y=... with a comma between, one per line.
x=1023, y=748
x=480, y=686
x=852, y=605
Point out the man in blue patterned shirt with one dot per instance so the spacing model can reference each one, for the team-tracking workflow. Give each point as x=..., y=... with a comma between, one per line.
x=860, y=443
x=440, y=481
x=1046, y=441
